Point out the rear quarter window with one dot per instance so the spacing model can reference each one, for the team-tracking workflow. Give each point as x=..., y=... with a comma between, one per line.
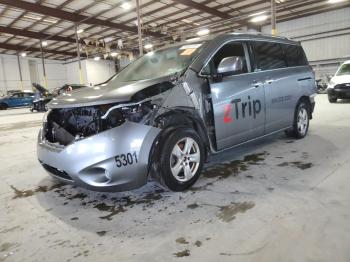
x=295, y=55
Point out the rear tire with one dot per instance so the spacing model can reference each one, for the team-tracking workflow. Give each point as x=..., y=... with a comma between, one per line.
x=301, y=121
x=181, y=159
x=3, y=106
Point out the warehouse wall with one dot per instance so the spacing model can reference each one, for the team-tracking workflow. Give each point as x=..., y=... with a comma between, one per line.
x=99, y=71
x=325, y=38
x=57, y=73
x=94, y=72
x=31, y=72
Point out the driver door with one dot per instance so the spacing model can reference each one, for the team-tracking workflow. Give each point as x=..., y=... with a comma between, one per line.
x=238, y=100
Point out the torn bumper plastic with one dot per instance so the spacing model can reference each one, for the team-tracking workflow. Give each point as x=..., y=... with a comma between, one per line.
x=113, y=160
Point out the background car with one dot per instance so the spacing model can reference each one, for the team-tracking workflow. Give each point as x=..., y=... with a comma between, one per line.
x=339, y=86
x=66, y=88
x=42, y=97
x=19, y=99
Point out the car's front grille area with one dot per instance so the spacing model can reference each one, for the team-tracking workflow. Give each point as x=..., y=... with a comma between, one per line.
x=56, y=172
x=343, y=86
x=67, y=125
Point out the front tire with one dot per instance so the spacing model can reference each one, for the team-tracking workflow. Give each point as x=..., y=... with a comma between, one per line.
x=301, y=121
x=181, y=159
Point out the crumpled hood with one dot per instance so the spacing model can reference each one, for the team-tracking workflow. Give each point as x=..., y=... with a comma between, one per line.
x=343, y=79
x=111, y=92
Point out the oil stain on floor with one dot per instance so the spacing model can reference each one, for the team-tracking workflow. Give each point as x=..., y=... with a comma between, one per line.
x=298, y=164
x=234, y=167
x=112, y=206
x=29, y=193
x=184, y=253
x=229, y=212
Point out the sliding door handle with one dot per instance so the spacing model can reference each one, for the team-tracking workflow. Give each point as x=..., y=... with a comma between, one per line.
x=257, y=84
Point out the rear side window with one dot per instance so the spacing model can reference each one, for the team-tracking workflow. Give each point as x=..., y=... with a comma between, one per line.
x=268, y=56
x=295, y=55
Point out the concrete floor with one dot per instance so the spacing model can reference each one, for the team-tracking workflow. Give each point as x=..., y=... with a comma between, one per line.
x=283, y=200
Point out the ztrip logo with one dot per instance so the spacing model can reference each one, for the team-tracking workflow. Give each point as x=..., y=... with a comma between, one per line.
x=238, y=109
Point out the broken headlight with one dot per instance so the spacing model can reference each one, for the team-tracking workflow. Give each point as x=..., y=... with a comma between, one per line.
x=138, y=113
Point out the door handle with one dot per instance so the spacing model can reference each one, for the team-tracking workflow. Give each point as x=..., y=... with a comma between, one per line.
x=269, y=81
x=257, y=84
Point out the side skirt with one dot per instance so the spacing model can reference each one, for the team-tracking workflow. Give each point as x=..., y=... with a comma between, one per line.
x=213, y=151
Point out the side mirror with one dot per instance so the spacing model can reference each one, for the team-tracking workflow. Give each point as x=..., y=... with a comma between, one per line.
x=231, y=65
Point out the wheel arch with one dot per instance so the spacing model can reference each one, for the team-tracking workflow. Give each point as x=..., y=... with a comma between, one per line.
x=307, y=100
x=180, y=117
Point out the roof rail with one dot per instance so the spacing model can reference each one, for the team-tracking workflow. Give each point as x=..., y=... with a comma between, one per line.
x=262, y=34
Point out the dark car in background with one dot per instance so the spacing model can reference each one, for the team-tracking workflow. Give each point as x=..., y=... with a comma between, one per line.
x=39, y=104
x=66, y=89
x=43, y=97
x=18, y=99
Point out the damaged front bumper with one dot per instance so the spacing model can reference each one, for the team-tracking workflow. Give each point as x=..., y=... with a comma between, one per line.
x=113, y=160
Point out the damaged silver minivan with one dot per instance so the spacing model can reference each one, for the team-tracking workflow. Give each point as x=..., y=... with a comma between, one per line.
x=167, y=111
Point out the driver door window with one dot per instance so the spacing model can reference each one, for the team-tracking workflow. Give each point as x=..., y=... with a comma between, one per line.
x=228, y=50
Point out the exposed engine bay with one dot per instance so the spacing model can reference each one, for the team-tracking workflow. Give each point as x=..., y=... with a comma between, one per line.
x=66, y=125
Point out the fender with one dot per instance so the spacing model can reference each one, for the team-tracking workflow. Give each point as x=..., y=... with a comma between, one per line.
x=178, y=117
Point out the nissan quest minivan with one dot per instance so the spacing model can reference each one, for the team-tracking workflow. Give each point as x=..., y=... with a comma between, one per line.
x=167, y=111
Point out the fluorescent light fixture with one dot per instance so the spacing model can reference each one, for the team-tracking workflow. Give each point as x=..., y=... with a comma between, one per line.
x=97, y=58
x=335, y=1
x=52, y=21
x=23, y=54
x=126, y=5
x=44, y=43
x=80, y=31
x=114, y=54
x=148, y=46
x=258, y=13
x=203, y=31
x=32, y=17
x=192, y=39
x=259, y=18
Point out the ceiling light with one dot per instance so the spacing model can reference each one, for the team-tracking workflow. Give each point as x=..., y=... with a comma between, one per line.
x=80, y=31
x=259, y=18
x=126, y=5
x=203, y=31
x=148, y=46
x=114, y=54
x=44, y=43
x=192, y=39
x=97, y=58
x=258, y=13
x=52, y=21
x=23, y=54
x=335, y=1
x=32, y=17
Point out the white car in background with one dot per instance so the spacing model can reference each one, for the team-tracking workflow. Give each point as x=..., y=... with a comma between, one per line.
x=339, y=86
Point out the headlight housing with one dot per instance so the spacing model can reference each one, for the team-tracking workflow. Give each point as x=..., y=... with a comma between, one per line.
x=137, y=112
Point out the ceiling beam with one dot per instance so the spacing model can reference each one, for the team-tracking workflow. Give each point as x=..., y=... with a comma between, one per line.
x=18, y=48
x=203, y=8
x=35, y=35
x=72, y=17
